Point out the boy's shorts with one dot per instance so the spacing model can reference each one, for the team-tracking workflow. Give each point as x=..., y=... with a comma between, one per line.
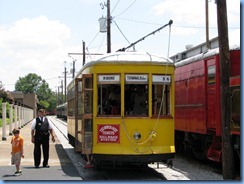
x=16, y=158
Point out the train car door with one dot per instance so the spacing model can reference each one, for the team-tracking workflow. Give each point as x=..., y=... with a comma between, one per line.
x=212, y=94
x=78, y=114
x=87, y=117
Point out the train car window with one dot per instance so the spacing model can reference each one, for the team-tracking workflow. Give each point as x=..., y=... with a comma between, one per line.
x=235, y=108
x=109, y=95
x=136, y=95
x=71, y=100
x=161, y=95
x=211, y=74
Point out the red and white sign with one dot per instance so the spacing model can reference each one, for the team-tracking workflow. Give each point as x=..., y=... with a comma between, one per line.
x=108, y=133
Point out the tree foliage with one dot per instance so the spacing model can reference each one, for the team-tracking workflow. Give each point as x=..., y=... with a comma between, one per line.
x=5, y=95
x=32, y=83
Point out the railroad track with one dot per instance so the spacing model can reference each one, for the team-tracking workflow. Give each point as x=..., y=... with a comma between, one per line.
x=61, y=126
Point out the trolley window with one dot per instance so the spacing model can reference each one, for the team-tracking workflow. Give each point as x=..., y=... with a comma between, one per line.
x=79, y=97
x=136, y=95
x=161, y=94
x=109, y=95
x=71, y=100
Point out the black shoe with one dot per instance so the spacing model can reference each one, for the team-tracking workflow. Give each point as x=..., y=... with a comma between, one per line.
x=36, y=166
x=18, y=173
x=46, y=166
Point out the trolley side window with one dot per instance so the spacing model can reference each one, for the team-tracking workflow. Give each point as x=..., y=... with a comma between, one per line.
x=71, y=100
x=136, y=95
x=109, y=95
x=161, y=94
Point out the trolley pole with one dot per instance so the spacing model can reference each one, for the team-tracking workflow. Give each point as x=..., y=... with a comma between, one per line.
x=224, y=54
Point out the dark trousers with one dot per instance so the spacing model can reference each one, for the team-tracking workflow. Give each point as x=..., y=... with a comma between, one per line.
x=41, y=140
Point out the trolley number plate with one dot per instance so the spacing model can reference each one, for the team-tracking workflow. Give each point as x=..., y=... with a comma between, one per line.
x=108, y=133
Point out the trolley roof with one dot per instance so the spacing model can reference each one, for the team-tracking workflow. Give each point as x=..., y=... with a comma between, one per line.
x=130, y=57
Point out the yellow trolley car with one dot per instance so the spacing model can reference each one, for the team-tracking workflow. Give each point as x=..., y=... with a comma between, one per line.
x=121, y=108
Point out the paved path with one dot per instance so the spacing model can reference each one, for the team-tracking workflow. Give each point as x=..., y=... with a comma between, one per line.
x=61, y=167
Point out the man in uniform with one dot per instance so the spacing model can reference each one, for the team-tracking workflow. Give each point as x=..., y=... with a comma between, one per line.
x=40, y=132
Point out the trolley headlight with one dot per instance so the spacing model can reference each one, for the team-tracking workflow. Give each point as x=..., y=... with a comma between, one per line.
x=137, y=136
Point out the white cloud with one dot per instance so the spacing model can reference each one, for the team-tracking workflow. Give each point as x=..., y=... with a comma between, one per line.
x=234, y=37
x=182, y=11
x=35, y=45
x=34, y=33
x=191, y=13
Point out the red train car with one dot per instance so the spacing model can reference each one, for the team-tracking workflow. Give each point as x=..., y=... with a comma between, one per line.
x=197, y=102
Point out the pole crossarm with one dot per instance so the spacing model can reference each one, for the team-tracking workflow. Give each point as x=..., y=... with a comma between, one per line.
x=125, y=48
x=76, y=53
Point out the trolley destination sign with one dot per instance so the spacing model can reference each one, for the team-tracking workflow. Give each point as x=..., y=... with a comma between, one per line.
x=108, y=133
x=136, y=78
x=161, y=78
x=108, y=78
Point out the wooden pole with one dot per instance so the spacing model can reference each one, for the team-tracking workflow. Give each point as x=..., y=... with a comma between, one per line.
x=108, y=28
x=84, y=53
x=65, y=82
x=207, y=25
x=224, y=56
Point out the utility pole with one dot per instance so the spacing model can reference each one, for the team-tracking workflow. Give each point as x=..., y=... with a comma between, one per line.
x=207, y=25
x=108, y=28
x=73, y=70
x=62, y=92
x=224, y=56
x=65, y=81
x=84, y=53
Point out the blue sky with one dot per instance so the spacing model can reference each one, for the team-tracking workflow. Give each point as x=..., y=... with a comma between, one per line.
x=36, y=36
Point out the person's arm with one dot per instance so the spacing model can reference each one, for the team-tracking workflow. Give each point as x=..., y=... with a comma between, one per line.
x=33, y=131
x=32, y=136
x=22, y=149
x=52, y=134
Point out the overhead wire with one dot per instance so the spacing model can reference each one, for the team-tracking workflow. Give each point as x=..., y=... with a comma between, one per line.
x=126, y=8
x=115, y=6
x=101, y=44
x=115, y=23
x=122, y=32
x=181, y=26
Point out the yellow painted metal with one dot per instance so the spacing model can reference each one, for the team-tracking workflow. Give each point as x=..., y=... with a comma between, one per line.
x=164, y=140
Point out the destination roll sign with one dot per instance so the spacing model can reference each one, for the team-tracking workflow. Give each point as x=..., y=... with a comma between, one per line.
x=136, y=78
x=161, y=79
x=108, y=78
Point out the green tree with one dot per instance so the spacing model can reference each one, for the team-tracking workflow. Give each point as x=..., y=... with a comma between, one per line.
x=29, y=84
x=5, y=95
x=33, y=83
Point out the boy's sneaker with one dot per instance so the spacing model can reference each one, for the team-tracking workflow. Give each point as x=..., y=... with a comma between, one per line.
x=17, y=173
